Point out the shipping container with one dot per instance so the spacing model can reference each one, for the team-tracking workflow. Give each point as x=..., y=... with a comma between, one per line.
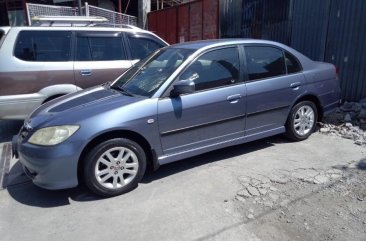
x=191, y=21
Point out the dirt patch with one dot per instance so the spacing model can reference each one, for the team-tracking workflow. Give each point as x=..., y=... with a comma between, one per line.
x=306, y=204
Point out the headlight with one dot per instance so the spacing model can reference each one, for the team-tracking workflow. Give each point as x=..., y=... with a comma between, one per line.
x=54, y=135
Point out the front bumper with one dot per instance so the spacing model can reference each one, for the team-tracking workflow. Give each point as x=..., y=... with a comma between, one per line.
x=49, y=167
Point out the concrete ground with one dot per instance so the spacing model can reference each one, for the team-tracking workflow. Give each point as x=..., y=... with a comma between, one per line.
x=201, y=198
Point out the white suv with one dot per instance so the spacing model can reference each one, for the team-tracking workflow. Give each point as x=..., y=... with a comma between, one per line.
x=41, y=63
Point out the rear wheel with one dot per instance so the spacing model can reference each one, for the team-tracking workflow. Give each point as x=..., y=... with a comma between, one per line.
x=114, y=167
x=301, y=121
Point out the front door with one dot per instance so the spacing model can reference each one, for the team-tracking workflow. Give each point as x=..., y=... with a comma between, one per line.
x=214, y=113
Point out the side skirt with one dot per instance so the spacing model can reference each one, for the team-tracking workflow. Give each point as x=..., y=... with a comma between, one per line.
x=194, y=152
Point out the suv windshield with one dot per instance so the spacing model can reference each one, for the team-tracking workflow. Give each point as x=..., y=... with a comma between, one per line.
x=145, y=77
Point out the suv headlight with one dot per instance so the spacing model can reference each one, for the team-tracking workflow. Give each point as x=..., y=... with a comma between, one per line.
x=53, y=135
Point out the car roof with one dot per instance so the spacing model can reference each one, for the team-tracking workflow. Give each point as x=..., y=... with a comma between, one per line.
x=195, y=45
x=203, y=45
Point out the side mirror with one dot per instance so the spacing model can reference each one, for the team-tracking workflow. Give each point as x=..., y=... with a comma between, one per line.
x=183, y=87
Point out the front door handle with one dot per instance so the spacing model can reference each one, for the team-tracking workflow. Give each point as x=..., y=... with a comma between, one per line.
x=233, y=98
x=85, y=72
x=295, y=85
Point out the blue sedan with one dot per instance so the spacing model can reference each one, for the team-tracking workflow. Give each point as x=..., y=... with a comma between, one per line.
x=181, y=101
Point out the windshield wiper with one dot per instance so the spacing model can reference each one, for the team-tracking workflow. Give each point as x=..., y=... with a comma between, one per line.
x=122, y=90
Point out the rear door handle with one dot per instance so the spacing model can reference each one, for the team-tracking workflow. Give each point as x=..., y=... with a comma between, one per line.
x=233, y=98
x=85, y=72
x=295, y=85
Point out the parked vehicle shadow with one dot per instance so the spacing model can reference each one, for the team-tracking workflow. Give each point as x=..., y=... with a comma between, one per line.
x=9, y=128
x=21, y=189
x=211, y=157
x=29, y=194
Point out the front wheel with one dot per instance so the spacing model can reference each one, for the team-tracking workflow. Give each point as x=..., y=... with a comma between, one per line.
x=301, y=121
x=114, y=167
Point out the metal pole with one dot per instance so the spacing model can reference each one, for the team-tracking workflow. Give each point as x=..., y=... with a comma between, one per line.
x=86, y=9
x=79, y=7
x=120, y=6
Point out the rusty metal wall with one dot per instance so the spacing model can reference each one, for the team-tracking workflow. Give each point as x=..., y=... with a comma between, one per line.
x=195, y=21
x=191, y=21
x=183, y=23
x=210, y=19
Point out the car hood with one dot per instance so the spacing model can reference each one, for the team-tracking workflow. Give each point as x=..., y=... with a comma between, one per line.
x=81, y=105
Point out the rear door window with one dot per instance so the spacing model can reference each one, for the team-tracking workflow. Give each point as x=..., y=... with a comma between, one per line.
x=43, y=46
x=91, y=48
x=143, y=46
x=264, y=62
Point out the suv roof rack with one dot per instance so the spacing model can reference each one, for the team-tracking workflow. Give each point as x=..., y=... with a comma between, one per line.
x=117, y=25
x=67, y=20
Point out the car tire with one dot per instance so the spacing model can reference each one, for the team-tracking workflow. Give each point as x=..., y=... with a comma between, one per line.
x=114, y=167
x=301, y=121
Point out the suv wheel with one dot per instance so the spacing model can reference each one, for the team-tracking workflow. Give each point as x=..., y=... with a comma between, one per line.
x=301, y=121
x=114, y=167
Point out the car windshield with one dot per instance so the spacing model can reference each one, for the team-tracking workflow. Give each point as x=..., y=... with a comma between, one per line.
x=146, y=76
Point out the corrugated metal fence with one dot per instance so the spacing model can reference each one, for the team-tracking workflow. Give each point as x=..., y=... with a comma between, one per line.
x=328, y=30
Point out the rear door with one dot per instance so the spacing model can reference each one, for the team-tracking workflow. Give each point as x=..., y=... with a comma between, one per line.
x=275, y=80
x=99, y=57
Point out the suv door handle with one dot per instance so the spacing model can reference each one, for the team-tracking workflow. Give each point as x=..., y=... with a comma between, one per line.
x=85, y=72
x=233, y=98
x=295, y=85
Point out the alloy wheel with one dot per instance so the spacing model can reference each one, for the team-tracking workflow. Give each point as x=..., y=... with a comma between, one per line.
x=116, y=167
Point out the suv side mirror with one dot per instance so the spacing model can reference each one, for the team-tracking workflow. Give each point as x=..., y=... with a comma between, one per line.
x=183, y=87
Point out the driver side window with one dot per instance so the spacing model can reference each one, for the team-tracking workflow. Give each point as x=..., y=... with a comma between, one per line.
x=214, y=69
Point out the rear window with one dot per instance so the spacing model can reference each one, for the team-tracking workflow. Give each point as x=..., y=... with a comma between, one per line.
x=43, y=46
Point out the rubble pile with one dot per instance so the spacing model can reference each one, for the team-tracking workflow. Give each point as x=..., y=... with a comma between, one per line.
x=348, y=121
